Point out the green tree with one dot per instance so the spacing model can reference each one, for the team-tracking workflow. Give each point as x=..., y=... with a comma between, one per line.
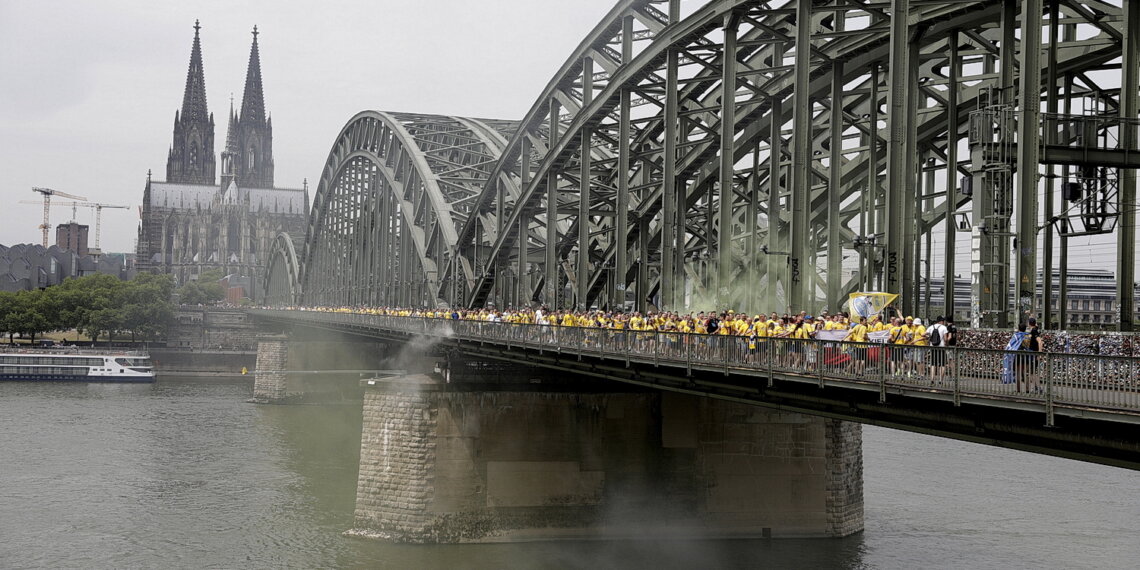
x=27, y=316
x=106, y=320
x=145, y=306
x=206, y=290
x=92, y=303
x=7, y=307
x=96, y=305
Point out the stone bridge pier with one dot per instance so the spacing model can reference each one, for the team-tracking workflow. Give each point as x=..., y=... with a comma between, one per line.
x=462, y=462
x=292, y=368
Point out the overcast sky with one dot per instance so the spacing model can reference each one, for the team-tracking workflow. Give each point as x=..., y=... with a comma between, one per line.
x=88, y=90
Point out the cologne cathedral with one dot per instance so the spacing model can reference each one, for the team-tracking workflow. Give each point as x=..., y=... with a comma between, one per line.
x=196, y=221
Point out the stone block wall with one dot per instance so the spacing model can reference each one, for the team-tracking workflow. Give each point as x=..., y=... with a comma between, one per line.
x=212, y=328
x=844, y=442
x=439, y=465
x=270, y=383
x=772, y=473
x=397, y=460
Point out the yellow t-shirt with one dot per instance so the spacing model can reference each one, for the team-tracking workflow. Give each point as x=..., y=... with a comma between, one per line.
x=858, y=333
x=918, y=331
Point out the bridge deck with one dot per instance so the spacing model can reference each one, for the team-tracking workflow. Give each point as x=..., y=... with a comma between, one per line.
x=983, y=395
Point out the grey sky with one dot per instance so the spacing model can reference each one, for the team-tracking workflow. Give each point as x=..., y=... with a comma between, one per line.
x=88, y=90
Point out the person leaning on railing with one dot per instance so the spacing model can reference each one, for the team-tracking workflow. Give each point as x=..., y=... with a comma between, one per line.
x=920, y=341
x=858, y=334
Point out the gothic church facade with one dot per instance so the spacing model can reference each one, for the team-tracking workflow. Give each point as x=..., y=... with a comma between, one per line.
x=196, y=221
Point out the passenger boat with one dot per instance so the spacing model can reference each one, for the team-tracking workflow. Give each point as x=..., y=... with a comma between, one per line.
x=64, y=365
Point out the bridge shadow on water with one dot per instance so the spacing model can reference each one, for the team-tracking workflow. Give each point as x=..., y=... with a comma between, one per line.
x=930, y=502
x=320, y=444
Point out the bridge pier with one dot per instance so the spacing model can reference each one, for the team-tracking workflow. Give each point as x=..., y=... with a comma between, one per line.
x=440, y=463
x=292, y=369
x=270, y=384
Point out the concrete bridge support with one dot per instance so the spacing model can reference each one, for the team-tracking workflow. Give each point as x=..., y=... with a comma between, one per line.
x=439, y=464
x=293, y=369
x=270, y=382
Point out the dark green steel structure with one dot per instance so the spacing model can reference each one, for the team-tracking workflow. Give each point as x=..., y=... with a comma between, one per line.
x=771, y=156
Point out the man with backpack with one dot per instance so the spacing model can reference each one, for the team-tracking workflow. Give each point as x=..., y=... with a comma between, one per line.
x=937, y=334
x=712, y=324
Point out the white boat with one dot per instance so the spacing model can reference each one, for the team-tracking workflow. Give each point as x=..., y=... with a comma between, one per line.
x=74, y=365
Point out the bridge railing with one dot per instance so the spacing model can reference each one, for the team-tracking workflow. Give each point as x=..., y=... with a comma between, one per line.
x=1055, y=379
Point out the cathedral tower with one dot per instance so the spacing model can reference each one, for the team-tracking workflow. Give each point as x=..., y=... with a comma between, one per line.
x=254, y=166
x=232, y=152
x=191, y=158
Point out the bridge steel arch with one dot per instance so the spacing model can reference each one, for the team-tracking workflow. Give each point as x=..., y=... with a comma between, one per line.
x=282, y=273
x=394, y=191
x=737, y=154
x=854, y=146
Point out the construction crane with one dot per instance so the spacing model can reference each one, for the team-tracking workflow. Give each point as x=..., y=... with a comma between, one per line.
x=48, y=193
x=98, y=215
x=99, y=219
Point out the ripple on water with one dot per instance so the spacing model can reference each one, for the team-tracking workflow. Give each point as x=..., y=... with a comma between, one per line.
x=186, y=474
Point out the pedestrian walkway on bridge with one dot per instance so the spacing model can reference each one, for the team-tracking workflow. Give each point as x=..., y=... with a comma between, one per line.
x=1065, y=383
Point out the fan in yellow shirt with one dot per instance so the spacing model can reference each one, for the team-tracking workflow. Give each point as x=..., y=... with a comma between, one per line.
x=858, y=333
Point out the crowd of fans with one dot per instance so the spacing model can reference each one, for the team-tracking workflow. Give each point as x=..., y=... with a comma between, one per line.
x=902, y=330
x=900, y=346
x=895, y=330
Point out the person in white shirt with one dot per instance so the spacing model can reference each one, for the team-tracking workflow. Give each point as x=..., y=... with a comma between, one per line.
x=936, y=335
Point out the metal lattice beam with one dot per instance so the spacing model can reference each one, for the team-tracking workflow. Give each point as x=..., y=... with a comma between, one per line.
x=732, y=157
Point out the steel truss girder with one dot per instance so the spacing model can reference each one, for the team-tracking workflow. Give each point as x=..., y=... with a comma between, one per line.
x=637, y=177
x=692, y=202
x=393, y=193
x=282, y=273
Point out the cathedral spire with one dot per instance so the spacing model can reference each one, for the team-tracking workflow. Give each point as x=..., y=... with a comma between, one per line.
x=254, y=164
x=194, y=99
x=232, y=151
x=191, y=157
x=253, y=99
x=231, y=132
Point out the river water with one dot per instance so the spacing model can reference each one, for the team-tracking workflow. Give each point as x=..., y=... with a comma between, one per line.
x=185, y=474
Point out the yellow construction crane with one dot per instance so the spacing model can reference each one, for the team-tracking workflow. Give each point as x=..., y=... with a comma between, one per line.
x=75, y=205
x=48, y=193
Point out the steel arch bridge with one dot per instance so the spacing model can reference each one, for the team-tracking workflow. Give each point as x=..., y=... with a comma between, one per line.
x=737, y=155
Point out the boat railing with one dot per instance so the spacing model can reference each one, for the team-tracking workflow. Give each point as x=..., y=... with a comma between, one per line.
x=73, y=350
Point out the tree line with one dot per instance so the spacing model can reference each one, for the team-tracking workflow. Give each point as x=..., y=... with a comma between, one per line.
x=97, y=305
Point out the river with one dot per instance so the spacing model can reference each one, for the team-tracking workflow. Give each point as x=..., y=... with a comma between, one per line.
x=185, y=474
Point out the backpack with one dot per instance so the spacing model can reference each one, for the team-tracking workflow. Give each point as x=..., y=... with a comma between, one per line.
x=935, y=334
x=1029, y=344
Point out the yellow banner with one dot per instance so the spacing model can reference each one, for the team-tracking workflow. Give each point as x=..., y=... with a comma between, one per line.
x=869, y=303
